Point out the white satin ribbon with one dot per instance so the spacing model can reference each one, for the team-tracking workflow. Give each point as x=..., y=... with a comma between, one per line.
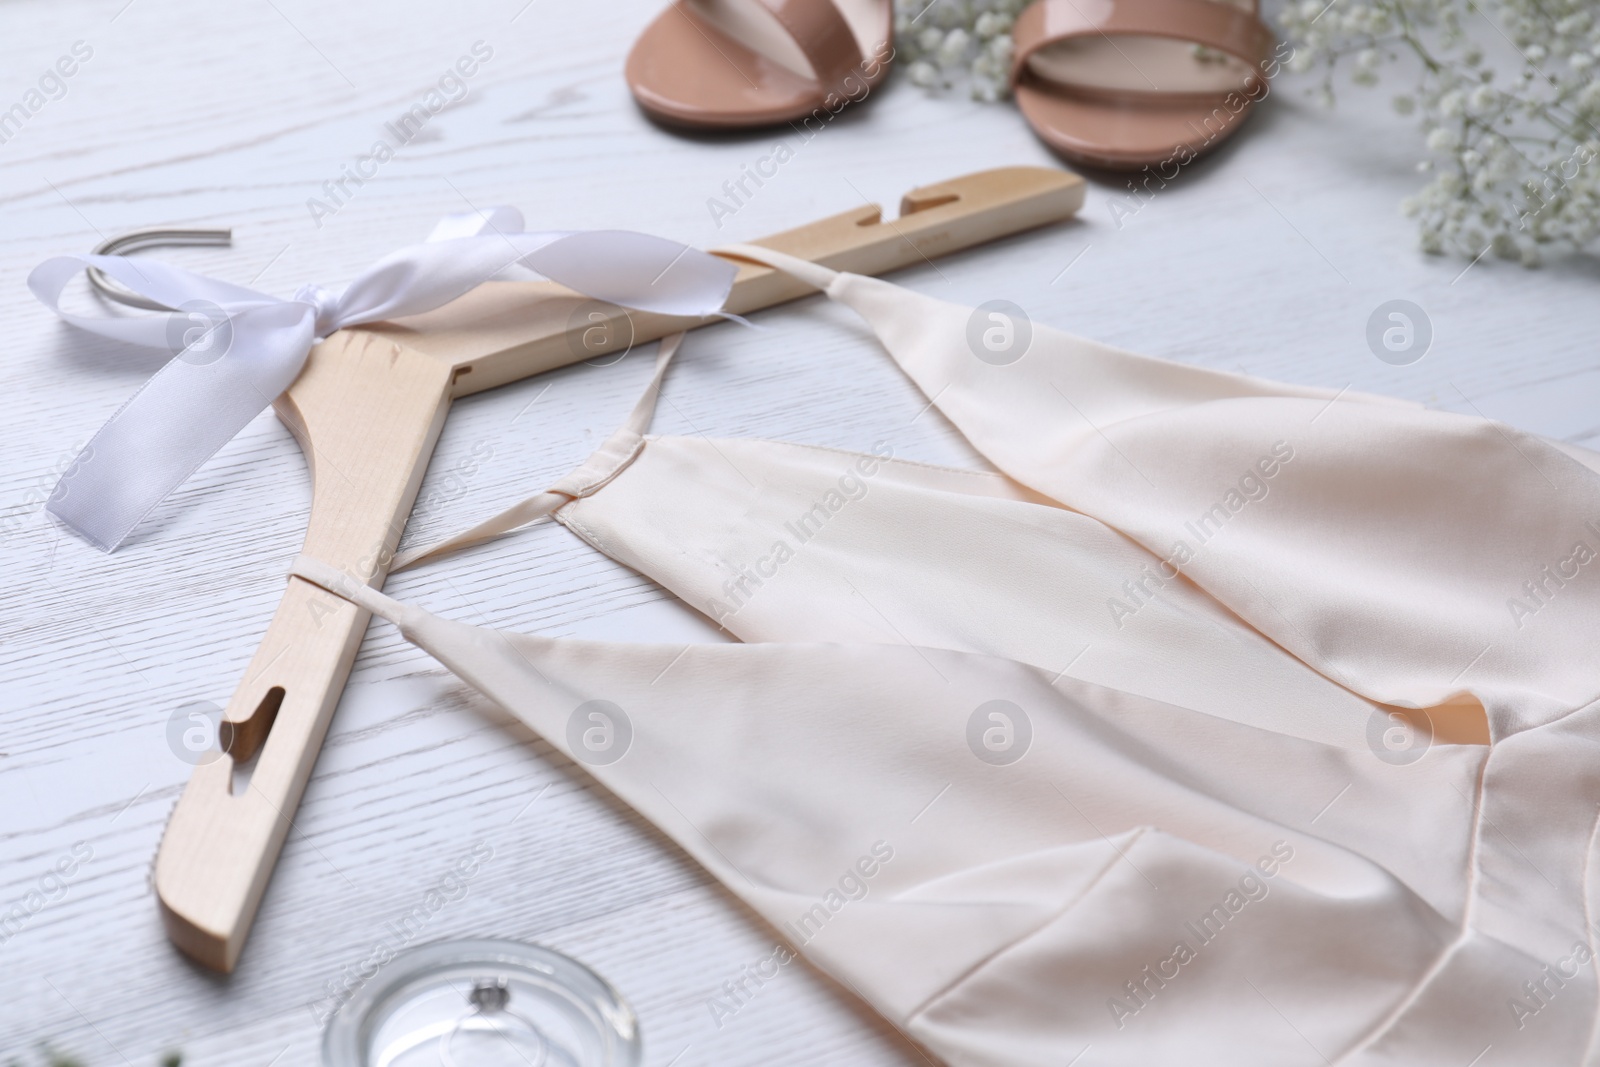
x=238, y=348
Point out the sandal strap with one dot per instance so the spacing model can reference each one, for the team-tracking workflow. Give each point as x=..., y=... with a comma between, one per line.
x=824, y=37
x=1211, y=23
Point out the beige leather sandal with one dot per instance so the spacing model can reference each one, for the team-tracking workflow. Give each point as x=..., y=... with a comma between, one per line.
x=723, y=64
x=1125, y=84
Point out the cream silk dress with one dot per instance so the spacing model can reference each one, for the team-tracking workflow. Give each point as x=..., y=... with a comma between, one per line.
x=1170, y=744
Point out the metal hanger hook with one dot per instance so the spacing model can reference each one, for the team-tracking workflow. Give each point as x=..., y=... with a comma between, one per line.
x=150, y=237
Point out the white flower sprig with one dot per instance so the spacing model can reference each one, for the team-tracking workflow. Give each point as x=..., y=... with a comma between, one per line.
x=950, y=42
x=1515, y=161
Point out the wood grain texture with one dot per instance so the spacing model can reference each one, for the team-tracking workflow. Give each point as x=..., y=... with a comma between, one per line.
x=366, y=412
x=1267, y=257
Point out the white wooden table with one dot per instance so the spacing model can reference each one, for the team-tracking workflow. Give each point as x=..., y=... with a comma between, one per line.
x=1269, y=258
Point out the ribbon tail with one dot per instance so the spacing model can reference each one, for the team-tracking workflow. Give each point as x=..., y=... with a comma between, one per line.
x=180, y=418
x=637, y=270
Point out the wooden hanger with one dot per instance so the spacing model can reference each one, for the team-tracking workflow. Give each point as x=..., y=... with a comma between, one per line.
x=367, y=411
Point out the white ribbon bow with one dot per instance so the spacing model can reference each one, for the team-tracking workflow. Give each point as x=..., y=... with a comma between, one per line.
x=238, y=349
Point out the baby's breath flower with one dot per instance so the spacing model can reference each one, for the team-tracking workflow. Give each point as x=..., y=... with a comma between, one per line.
x=965, y=42
x=923, y=73
x=1514, y=163
x=991, y=24
x=954, y=47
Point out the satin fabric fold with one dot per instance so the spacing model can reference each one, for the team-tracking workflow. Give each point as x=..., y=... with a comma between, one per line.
x=1029, y=825
x=1110, y=889
x=1408, y=554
